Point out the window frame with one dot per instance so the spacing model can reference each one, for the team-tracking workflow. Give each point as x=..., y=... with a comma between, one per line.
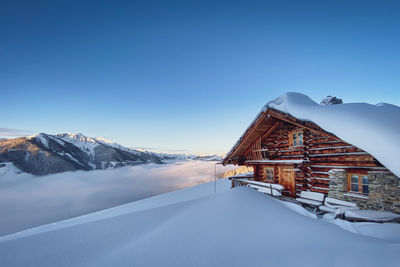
x=266, y=174
x=291, y=138
x=360, y=183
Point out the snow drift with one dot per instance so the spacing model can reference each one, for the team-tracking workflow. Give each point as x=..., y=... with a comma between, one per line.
x=239, y=227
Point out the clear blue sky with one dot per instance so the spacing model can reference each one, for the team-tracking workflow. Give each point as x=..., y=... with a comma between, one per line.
x=186, y=75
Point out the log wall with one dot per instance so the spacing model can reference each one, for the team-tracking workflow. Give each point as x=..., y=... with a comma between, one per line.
x=319, y=152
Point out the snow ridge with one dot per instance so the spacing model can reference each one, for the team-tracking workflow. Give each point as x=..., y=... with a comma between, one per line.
x=75, y=151
x=86, y=144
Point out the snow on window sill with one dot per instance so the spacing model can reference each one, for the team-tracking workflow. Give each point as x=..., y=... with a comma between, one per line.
x=356, y=195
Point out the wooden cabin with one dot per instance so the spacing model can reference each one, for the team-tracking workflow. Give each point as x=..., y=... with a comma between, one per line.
x=302, y=156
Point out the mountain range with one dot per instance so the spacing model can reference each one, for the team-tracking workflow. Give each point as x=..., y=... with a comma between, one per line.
x=43, y=154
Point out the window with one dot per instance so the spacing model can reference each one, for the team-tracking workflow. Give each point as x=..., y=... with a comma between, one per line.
x=296, y=138
x=354, y=183
x=269, y=173
x=358, y=183
x=365, y=184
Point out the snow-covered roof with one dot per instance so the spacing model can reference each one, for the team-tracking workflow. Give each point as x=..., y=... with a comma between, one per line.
x=372, y=128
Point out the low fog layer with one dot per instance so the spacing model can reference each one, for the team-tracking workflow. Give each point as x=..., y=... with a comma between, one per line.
x=27, y=201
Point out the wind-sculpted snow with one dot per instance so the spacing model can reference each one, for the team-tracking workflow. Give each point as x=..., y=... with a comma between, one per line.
x=238, y=227
x=27, y=201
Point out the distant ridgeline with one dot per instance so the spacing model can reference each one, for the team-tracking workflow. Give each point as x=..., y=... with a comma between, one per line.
x=42, y=154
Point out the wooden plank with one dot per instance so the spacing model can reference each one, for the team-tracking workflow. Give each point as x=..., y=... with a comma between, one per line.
x=286, y=178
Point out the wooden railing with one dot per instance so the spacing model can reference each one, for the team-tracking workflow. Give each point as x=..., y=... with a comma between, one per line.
x=263, y=187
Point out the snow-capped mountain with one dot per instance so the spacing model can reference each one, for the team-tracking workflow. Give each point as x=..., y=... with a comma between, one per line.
x=42, y=154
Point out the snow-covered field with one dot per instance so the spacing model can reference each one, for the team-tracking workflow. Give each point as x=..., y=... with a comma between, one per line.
x=27, y=201
x=195, y=227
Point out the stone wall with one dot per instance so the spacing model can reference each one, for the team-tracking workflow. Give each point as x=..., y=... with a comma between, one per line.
x=338, y=188
x=384, y=190
x=337, y=183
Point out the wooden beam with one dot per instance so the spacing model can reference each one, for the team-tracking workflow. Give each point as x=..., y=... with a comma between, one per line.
x=250, y=130
x=271, y=130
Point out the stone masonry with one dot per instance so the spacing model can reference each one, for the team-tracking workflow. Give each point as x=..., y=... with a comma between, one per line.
x=384, y=190
x=337, y=183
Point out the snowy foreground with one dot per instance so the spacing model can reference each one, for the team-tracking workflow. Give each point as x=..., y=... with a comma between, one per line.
x=195, y=227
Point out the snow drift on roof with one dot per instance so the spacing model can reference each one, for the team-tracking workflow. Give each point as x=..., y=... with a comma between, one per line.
x=373, y=128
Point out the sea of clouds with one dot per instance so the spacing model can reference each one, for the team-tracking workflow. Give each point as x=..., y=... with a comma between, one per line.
x=27, y=200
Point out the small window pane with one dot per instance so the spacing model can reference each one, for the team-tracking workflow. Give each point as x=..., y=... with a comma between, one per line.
x=365, y=179
x=365, y=189
x=269, y=173
x=294, y=139
x=354, y=178
x=300, y=139
x=354, y=187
